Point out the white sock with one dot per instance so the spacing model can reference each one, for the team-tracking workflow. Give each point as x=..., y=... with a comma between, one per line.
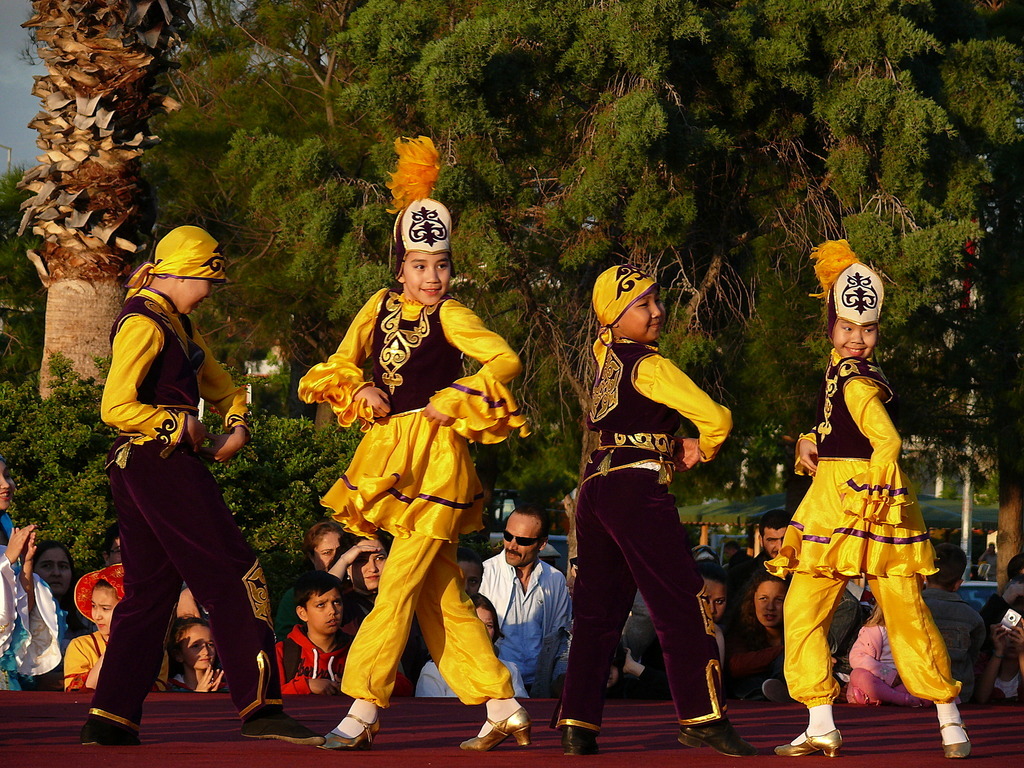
x=948, y=713
x=350, y=727
x=498, y=710
x=819, y=723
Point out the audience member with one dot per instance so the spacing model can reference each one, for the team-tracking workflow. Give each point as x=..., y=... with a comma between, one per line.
x=96, y=595
x=531, y=598
x=715, y=597
x=54, y=565
x=987, y=563
x=312, y=657
x=959, y=624
x=194, y=657
x=772, y=526
x=431, y=684
x=702, y=553
x=29, y=638
x=1000, y=675
x=472, y=570
x=733, y=554
x=874, y=679
x=111, y=549
x=1012, y=596
x=754, y=645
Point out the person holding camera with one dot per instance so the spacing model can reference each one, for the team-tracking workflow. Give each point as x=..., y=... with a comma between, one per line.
x=1000, y=679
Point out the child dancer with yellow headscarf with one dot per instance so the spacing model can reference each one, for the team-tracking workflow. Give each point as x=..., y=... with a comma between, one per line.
x=860, y=516
x=627, y=528
x=412, y=475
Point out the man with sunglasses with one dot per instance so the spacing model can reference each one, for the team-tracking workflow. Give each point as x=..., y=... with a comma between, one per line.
x=531, y=599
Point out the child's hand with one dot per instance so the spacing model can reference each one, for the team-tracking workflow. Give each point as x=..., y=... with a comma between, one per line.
x=686, y=454
x=19, y=542
x=1000, y=639
x=323, y=687
x=377, y=399
x=223, y=447
x=430, y=413
x=195, y=432
x=807, y=456
x=209, y=680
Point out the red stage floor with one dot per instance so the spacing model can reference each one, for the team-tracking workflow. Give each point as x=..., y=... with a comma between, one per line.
x=199, y=730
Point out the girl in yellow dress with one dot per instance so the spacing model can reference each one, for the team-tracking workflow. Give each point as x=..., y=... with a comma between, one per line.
x=860, y=516
x=412, y=475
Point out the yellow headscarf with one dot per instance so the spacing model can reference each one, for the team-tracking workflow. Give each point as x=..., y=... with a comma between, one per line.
x=615, y=291
x=187, y=252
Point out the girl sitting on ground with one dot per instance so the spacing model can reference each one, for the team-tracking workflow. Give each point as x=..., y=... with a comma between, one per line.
x=192, y=651
x=874, y=679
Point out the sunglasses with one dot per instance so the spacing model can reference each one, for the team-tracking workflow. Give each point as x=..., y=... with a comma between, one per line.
x=522, y=541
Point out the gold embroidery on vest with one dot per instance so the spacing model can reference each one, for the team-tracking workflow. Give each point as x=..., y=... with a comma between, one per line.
x=259, y=597
x=398, y=343
x=831, y=387
x=606, y=392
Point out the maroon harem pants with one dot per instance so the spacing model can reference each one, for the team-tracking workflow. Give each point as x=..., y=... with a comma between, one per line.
x=629, y=537
x=175, y=527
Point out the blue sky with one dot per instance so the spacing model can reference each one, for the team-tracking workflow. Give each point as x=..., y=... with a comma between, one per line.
x=17, y=104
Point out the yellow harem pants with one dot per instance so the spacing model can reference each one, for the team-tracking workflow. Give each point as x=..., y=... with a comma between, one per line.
x=423, y=576
x=917, y=647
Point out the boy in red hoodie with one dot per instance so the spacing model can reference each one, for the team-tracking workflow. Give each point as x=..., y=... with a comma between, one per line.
x=312, y=657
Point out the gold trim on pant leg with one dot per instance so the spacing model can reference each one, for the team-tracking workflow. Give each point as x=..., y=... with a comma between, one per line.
x=108, y=716
x=713, y=676
x=259, y=596
x=577, y=724
x=261, y=687
x=704, y=602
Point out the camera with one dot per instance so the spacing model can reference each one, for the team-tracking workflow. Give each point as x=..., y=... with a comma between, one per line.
x=1010, y=619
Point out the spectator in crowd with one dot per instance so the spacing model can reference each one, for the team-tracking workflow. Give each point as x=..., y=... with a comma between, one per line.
x=715, y=597
x=989, y=559
x=754, y=649
x=111, y=549
x=733, y=554
x=327, y=547
x=96, y=595
x=959, y=624
x=531, y=598
x=193, y=657
x=312, y=657
x=54, y=565
x=874, y=679
x=772, y=527
x=29, y=638
x=1000, y=675
x=472, y=570
x=431, y=684
x=1012, y=596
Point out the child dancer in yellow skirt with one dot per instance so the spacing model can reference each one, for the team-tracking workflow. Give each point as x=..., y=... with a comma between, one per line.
x=860, y=516
x=412, y=475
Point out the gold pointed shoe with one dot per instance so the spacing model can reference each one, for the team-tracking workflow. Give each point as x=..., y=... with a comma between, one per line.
x=828, y=743
x=364, y=740
x=959, y=750
x=517, y=724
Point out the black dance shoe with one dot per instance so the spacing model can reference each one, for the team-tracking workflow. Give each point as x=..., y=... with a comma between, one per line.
x=106, y=734
x=720, y=736
x=578, y=741
x=278, y=725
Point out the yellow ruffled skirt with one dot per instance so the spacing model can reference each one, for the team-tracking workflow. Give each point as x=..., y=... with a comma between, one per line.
x=409, y=474
x=856, y=519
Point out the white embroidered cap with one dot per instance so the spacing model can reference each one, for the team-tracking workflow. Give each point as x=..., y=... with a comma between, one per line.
x=857, y=295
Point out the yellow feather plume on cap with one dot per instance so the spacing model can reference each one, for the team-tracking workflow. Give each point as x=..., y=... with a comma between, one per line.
x=831, y=258
x=418, y=166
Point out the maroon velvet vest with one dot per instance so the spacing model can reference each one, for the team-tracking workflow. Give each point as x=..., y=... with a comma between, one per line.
x=839, y=437
x=172, y=380
x=412, y=358
x=617, y=406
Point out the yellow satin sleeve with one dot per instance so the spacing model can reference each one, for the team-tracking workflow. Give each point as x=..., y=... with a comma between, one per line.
x=482, y=406
x=657, y=378
x=337, y=380
x=878, y=493
x=136, y=345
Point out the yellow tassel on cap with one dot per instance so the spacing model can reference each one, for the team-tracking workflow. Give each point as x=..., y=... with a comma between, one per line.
x=831, y=258
x=418, y=166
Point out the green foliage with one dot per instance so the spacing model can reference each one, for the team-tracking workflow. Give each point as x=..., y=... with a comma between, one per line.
x=57, y=451
x=21, y=293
